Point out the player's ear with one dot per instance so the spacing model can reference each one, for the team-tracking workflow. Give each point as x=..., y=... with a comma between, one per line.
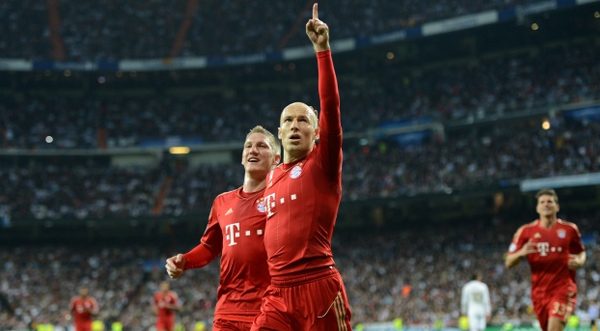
x=276, y=159
x=279, y=132
x=316, y=134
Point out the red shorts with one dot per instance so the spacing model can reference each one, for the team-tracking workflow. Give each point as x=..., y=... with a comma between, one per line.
x=315, y=302
x=220, y=324
x=165, y=323
x=560, y=305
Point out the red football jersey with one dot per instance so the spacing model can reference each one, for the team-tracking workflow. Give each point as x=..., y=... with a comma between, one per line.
x=303, y=197
x=161, y=299
x=549, y=269
x=236, y=228
x=82, y=309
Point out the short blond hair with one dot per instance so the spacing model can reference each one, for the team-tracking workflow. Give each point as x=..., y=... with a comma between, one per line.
x=273, y=141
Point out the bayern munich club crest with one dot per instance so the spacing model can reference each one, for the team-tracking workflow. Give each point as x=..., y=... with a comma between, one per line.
x=261, y=206
x=562, y=234
x=296, y=172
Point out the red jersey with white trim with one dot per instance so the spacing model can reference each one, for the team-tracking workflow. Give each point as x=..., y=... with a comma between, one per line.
x=303, y=197
x=82, y=308
x=549, y=269
x=236, y=229
x=161, y=299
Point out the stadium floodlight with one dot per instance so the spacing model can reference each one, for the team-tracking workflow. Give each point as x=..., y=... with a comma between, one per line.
x=179, y=150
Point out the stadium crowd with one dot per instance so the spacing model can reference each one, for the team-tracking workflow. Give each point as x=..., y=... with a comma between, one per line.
x=546, y=78
x=480, y=158
x=95, y=31
x=414, y=272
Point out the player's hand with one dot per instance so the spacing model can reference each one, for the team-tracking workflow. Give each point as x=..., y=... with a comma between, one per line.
x=528, y=248
x=317, y=31
x=574, y=262
x=175, y=266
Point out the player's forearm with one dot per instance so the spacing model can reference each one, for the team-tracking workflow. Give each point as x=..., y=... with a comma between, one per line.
x=512, y=260
x=199, y=257
x=172, y=306
x=581, y=258
x=330, y=119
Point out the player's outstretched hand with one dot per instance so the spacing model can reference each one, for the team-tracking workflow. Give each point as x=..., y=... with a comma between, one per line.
x=318, y=31
x=175, y=266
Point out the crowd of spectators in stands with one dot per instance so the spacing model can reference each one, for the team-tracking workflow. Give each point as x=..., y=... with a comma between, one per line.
x=543, y=77
x=389, y=275
x=492, y=156
x=414, y=273
x=115, y=30
x=507, y=84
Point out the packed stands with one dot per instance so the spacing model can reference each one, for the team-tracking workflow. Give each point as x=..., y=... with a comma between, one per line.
x=114, y=30
x=412, y=271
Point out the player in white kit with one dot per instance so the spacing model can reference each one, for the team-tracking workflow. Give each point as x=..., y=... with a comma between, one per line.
x=475, y=303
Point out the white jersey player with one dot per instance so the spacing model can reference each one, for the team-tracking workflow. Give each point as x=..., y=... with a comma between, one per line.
x=475, y=303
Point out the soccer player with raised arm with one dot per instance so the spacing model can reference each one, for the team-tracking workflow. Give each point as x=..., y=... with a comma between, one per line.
x=84, y=308
x=554, y=251
x=235, y=230
x=302, y=199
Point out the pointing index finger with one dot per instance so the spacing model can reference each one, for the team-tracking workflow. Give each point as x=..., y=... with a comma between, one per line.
x=316, y=11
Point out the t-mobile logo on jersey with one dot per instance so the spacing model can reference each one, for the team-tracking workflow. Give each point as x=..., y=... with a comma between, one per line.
x=232, y=231
x=543, y=248
x=270, y=202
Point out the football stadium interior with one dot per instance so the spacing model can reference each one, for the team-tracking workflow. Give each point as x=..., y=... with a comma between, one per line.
x=120, y=121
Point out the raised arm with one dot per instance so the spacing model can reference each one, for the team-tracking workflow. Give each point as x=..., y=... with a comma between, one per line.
x=330, y=126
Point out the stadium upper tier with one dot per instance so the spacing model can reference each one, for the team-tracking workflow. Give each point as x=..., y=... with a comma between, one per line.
x=541, y=79
x=80, y=31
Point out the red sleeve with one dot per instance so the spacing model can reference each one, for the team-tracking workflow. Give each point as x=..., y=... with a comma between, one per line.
x=330, y=125
x=211, y=243
x=198, y=257
x=576, y=246
x=518, y=240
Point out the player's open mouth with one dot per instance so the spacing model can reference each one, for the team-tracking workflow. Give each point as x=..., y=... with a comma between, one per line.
x=253, y=159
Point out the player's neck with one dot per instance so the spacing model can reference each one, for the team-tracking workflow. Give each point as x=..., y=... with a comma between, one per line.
x=253, y=185
x=548, y=221
x=293, y=157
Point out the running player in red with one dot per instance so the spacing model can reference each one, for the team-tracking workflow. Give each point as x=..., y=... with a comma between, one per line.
x=84, y=308
x=164, y=304
x=554, y=251
x=235, y=230
x=302, y=197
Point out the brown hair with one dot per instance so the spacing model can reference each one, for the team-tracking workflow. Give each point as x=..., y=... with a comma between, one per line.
x=547, y=191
